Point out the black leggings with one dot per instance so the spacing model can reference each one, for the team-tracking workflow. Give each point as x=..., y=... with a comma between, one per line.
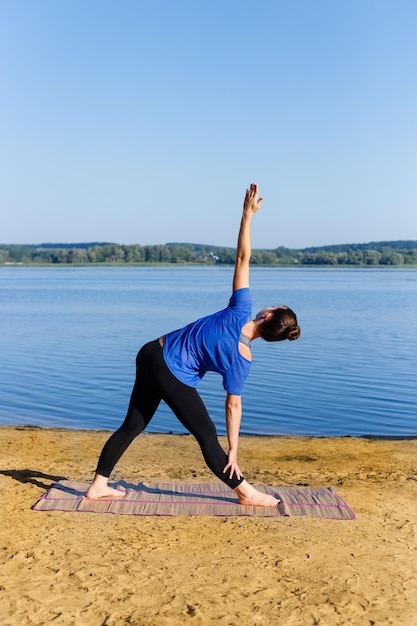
x=154, y=382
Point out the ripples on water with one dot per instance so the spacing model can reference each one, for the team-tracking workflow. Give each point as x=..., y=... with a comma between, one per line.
x=69, y=338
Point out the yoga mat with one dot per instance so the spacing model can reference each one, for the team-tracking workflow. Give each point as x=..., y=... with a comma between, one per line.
x=194, y=499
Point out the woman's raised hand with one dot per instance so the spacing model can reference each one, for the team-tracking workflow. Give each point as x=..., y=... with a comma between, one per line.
x=252, y=203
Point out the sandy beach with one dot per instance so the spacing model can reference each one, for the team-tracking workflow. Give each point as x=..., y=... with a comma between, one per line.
x=95, y=570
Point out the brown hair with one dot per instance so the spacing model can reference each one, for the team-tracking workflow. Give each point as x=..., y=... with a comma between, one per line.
x=282, y=324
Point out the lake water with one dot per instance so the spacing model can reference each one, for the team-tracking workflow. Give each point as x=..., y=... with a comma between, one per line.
x=69, y=338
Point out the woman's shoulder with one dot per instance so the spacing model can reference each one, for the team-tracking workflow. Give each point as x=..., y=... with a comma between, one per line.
x=241, y=296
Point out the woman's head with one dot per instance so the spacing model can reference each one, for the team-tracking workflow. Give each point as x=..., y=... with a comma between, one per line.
x=278, y=323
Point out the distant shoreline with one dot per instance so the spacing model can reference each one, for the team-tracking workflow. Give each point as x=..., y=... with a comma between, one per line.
x=196, y=264
x=372, y=254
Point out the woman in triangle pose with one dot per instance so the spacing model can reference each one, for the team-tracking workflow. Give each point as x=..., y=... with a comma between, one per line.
x=169, y=369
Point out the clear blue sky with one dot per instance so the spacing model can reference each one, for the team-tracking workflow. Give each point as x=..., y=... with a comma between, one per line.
x=143, y=122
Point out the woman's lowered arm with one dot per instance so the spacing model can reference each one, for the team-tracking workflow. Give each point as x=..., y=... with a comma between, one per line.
x=233, y=410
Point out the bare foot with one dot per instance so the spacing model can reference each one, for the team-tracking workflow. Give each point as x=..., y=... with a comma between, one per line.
x=249, y=496
x=104, y=493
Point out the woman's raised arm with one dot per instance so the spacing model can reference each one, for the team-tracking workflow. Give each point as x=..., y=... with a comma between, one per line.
x=243, y=253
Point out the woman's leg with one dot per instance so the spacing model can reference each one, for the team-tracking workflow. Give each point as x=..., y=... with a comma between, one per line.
x=192, y=413
x=187, y=405
x=143, y=403
x=189, y=408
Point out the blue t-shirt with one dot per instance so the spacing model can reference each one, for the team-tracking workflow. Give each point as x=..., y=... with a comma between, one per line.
x=211, y=344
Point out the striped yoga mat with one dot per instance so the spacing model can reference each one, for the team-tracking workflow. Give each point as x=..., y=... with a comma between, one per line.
x=194, y=499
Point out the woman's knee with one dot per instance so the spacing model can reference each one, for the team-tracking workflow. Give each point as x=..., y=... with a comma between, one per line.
x=134, y=423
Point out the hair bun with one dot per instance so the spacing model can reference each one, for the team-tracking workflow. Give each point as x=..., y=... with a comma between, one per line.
x=294, y=332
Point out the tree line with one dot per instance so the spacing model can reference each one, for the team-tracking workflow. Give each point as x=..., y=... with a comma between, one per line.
x=395, y=253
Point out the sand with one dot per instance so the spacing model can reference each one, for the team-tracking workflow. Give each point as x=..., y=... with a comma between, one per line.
x=95, y=570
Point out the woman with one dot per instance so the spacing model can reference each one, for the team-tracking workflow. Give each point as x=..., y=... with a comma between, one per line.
x=170, y=367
